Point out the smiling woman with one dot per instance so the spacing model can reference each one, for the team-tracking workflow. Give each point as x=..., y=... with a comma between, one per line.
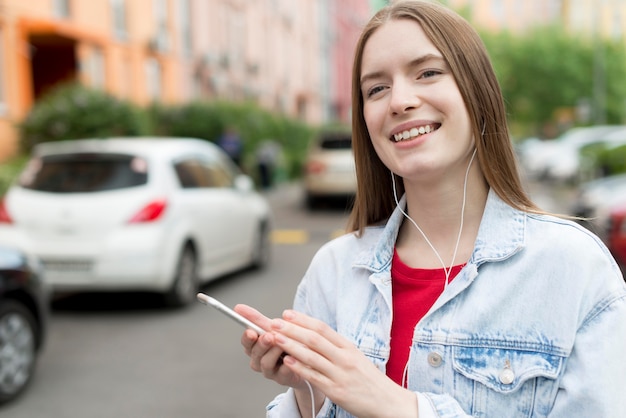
x=453, y=294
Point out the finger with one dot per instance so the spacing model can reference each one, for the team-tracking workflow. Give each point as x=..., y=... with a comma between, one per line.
x=315, y=325
x=253, y=315
x=304, y=362
x=263, y=344
x=248, y=340
x=306, y=345
x=310, y=332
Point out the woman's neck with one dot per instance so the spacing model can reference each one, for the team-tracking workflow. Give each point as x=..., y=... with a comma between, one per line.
x=437, y=212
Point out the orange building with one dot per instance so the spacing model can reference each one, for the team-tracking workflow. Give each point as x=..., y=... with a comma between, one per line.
x=268, y=51
x=46, y=42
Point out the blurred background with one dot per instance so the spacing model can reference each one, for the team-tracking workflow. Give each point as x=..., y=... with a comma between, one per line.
x=188, y=66
x=277, y=74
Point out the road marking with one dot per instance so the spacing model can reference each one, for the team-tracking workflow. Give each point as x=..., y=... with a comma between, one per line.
x=298, y=236
x=290, y=236
x=337, y=233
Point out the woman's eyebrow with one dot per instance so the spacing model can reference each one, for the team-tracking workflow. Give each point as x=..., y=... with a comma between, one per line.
x=414, y=63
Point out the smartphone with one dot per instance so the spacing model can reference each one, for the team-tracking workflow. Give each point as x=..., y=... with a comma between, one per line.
x=208, y=300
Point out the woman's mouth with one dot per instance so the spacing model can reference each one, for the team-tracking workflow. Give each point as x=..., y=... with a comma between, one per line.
x=415, y=132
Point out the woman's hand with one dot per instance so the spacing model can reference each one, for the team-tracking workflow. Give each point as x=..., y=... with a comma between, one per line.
x=265, y=356
x=336, y=367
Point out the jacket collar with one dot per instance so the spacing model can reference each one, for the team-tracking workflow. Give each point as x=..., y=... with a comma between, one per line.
x=501, y=234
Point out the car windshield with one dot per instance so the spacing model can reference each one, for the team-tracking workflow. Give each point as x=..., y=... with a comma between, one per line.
x=336, y=142
x=84, y=172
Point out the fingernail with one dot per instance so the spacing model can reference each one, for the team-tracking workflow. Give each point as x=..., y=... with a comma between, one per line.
x=289, y=314
x=267, y=339
x=280, y=339
x=277, y=324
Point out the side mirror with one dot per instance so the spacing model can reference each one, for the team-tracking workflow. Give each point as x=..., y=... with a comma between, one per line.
x=244, y=183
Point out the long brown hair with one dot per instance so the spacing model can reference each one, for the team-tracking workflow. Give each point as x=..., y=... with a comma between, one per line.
x=469, y=62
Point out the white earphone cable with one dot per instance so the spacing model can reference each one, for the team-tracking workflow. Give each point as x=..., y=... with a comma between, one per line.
x=447, y=270
x=312, y=398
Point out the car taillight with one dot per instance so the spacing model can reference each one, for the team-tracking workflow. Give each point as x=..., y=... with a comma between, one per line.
x=315, y=167
x=5, y=218
x=149, y=213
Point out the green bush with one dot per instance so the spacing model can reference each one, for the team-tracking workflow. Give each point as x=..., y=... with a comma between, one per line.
x=612, y=160
x=207, y=120
x=194, y=120
x=72, y=111
x=9, y=170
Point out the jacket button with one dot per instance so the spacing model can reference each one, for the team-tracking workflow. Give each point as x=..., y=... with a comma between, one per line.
x=434, y=359
x=506, y=376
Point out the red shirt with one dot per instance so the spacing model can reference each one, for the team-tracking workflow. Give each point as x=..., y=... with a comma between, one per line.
x=414, y=291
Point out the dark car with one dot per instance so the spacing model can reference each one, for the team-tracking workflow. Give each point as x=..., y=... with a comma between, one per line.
x=24, y=304
x=616, y=235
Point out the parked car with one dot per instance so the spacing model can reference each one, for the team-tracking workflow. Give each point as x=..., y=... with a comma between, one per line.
x=616, y=236
x=24, y=310
x=559, y=159
x=329, y=170
x=136, y=214
x=596, y=199
x=606, y=156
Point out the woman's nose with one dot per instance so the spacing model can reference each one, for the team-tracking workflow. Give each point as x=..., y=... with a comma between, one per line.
x=403, y=98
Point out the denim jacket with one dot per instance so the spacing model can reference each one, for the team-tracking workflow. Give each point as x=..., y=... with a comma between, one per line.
x=533, y=326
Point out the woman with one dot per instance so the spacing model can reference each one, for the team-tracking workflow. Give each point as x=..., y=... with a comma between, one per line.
x=462, y=297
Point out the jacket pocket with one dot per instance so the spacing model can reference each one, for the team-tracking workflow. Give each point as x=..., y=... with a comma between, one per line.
x=518, y=383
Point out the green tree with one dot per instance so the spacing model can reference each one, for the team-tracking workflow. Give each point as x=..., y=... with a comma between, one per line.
x=546, y=71
x=72, y=111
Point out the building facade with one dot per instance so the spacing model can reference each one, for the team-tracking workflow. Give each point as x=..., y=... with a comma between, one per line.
x=606, y=18
x=346, y=19
x=273, y=52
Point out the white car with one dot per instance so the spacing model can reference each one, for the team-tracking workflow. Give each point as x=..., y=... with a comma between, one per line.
x=329, y=170
x=136, y=214
x=596, y=199
x=559, y=159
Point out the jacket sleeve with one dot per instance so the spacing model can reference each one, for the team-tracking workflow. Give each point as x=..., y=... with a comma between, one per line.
x=595, y=376
x=285, y=406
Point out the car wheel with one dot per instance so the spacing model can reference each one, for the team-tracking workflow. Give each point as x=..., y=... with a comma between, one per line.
x=18, y=335
x=262, y=246
x=185, y=285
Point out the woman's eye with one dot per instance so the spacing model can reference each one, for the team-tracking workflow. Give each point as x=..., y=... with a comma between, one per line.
x=429, y=73
x=374, y=90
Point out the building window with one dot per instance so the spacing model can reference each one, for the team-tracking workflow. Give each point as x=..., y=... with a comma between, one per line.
x=185, y=27
x=497, y=10
x=118, y=11
x=61, y=8
x=160, y=38
x=618, y=25
x=3, y=103
x=153, y=79
x=95, y=68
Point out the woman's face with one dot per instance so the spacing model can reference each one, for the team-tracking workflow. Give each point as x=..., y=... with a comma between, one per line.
x=413, y=109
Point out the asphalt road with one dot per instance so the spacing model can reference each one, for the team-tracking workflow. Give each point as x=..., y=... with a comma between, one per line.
x=125, y=356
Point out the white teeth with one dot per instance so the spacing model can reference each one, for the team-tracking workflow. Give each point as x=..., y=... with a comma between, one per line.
x=413, y=132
